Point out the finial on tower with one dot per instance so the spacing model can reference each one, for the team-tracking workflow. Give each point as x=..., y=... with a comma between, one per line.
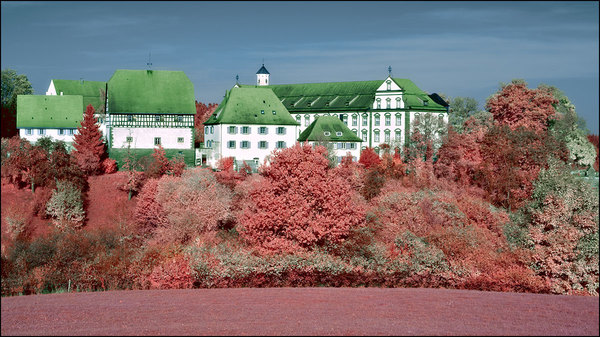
x=149, y=63
x=390, y=71
x=237, y=79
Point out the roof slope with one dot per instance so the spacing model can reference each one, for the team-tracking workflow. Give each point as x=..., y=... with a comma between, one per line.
x=244, y=106
x=90, y=90
x=355, y=95
x=151, y=92
x=262, y=70
x=42, y=111
x=332, y=124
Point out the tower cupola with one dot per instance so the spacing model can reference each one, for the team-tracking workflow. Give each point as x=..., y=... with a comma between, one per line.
x=262, y=76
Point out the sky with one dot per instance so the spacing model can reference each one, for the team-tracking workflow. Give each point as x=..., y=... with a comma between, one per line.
x=454, y=48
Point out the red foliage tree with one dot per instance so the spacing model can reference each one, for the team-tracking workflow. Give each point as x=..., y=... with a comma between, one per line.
x=203, y=112
x=516, y=105
x=89, y=147
x=594, y=140
x=512, y=160
x=161, y=165
x=149, y=214
x=368, y=158
x=226, y=175
x=301, y=204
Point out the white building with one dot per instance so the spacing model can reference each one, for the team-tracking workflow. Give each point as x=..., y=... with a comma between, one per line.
x=248, y=125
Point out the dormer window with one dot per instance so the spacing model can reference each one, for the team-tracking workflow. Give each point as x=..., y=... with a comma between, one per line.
x=262, y=112
x=327, y=133
x=339, y=134
x=274, y=113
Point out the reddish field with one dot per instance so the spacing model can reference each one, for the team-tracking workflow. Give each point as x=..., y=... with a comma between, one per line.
x=300, y=311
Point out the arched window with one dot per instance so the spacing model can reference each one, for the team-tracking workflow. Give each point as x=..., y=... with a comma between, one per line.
x=440, y=121
x=379, y=103
x=398, y=119
x=388, y=103
x=364, y=135
x=365, y=119
x=386, y=136
x=388, y=119
x=397, y=134
x=355, y=120
x=389, y=85
x=377, y=120
x=398, y=99
x=376, y=136
x=306, y=120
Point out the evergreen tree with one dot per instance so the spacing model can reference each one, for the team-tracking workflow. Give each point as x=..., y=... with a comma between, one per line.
x=89, y=146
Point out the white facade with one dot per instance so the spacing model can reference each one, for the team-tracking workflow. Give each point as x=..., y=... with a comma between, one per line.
x=251, y=143
x=262, y=79
x=148, y=138
x=33, y=134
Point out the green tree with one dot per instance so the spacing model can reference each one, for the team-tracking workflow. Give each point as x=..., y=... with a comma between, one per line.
x=13, y=84
x=461, y=108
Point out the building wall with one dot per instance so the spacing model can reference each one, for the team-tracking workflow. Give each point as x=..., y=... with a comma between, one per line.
x=218, y=139
x=53, y=133
x=143, y=138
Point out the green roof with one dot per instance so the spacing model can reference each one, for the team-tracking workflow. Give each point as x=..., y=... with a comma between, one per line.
x=37, y=111
x=90, y=90
x=316, y=131
x=151, y=92
x=251, y=106
x=356, y=95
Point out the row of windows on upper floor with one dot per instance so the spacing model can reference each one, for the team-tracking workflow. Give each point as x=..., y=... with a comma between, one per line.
x=41, y=132
x=244, y=144
x=365, y=120
x=149, y=118
x=246, y=130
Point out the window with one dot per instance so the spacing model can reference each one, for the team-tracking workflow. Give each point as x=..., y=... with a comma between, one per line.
x=129, y=118
x=72, y=131
x=61, y=131
x=387, y=136
x=425, y=102
x=341, y=146
x=232, y=130
x=354, y=120
x=299, y=119
x=262, y=112
x=344, y=119
x=377, y=120
x=206, y=129
x=274, y=113
x=388, y=103
x=398, y=120
x=376, y=136
x=156, y=141
x=28, y=131
x=41, y=131
x=262, y=130
x=157, y=118
x=245, y=144
x=179, y=139
x=365, y=120
x=231, y=144
x=389, y=85
x=280, y=145
x=379, y=103
x=129, y=139
x=397, y=102
x=245, y=130
x=352, y=146
x=180, y=118
x=208, y=143
x=339, y=134
x=212, y=129
x=327, y=133
x=398, y=134
x=281, y=130
x=364, y=135
x=355, y=132
x=388, y=120
x=306, y=120
x=263, y=144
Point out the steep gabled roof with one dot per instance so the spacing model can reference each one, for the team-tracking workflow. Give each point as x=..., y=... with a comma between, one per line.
x=90, y=90
x=316, y=131
x=262, y=70
x=350, y=96
x=244, y=106
x=42, y=111
x=151, y=91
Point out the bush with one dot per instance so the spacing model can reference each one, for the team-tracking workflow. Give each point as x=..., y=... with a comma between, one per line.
x=66, y=206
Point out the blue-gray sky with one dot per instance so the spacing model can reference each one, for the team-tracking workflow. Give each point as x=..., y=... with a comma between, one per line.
x=455, y=48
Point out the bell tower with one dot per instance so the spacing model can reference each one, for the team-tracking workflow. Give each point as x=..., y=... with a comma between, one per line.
x=262, y=76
